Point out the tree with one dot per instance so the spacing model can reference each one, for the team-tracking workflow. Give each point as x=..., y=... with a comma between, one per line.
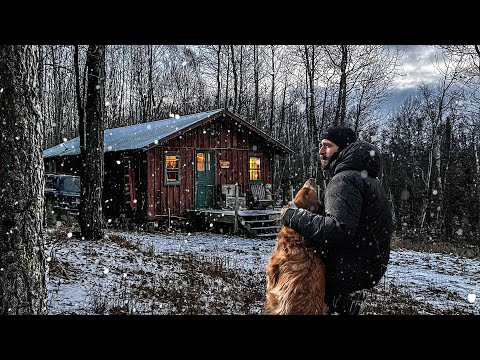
x=91, y=203
x=22, y=259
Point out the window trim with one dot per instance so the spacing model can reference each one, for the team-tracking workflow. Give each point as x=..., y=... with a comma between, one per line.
x=260, y=179
x=172, y=182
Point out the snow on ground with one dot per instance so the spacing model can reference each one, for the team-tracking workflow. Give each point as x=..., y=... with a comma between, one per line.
x=93, y=277
x=444, y=281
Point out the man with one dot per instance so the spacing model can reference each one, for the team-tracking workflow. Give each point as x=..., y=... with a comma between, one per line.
x=353, y=236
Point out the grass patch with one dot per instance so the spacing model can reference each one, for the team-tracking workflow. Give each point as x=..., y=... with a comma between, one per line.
x=459, y=248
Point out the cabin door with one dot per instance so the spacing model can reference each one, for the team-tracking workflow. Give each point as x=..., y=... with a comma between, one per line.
x=204, y=179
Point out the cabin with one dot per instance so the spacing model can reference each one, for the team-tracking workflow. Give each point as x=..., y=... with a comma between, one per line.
x=178, y=164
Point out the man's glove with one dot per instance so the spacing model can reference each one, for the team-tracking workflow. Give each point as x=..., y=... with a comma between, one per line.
x=287, y=213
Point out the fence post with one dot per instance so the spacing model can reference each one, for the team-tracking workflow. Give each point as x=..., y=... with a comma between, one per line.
x=235, y=223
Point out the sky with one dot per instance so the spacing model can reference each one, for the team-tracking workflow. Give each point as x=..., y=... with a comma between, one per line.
x=102, y=274
x=417, y=66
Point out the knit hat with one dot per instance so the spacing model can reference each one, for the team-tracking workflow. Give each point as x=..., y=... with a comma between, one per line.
x=340, y=135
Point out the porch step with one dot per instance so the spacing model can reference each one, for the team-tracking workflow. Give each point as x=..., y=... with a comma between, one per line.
x=262, y=226
x=266, y=228
x=269, y=235
x=259, y=221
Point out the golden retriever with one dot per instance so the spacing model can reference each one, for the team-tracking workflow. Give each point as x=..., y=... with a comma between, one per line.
x=295, y=272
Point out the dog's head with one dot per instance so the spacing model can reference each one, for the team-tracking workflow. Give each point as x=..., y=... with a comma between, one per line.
x=307, y=197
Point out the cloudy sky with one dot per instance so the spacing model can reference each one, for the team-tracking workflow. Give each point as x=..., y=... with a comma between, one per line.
x=417, y=66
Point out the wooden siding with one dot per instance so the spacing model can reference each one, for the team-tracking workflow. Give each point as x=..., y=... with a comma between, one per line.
x=229, y=141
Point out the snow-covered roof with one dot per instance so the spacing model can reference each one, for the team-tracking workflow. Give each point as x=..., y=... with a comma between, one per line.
x=142, y=135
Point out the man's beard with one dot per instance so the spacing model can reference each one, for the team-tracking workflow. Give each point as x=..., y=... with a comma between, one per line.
x=330, y=159
x=327, y=165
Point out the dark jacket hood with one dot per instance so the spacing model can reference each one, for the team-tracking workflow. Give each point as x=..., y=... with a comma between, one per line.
x=360, y=156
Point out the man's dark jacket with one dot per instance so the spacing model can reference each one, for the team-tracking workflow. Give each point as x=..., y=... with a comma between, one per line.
x=354, y=234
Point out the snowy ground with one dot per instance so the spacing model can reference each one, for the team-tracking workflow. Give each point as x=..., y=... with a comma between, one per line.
x=204, y=273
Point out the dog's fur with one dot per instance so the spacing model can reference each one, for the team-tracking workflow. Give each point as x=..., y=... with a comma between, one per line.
x=295, y=272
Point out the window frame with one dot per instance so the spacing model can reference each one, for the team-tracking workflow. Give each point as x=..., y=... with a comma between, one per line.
x=260, y=169
x=172, y=182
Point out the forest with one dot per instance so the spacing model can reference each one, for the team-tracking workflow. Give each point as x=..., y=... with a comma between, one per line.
x=429, y=142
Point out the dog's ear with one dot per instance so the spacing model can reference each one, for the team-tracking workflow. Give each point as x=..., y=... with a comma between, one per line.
x=311, y=184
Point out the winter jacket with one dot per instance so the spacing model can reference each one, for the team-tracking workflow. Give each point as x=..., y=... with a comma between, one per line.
x=353, y=237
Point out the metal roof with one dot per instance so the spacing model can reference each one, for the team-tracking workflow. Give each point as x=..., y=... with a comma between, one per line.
x=133, y=136
x=142, y=135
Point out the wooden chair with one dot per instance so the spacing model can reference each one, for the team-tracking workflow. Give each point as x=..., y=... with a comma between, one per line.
x=262, y=197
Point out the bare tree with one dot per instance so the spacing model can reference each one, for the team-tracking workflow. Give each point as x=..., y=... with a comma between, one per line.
x=94, y=116
x=312, y=129
x=256, y=77
x=235, y=78
x=341, y=65
x=435, y=104
x=22, y=260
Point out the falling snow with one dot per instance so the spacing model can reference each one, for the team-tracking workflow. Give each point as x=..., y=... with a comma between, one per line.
x=405, y=195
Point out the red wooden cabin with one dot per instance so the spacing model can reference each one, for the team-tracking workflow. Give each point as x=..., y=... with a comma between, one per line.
x=176, y=164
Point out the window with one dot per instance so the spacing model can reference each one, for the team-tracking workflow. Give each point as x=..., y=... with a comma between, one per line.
x=172, y=169
x=200, y=162
x=204, y=161
x=71, y=184
x=254, y=169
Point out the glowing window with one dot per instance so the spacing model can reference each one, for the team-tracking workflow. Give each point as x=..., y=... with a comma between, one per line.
x=172, y=169
x=200, y=162
x=254, y=169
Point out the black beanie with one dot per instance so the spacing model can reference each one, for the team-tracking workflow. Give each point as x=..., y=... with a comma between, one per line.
x=340, y=135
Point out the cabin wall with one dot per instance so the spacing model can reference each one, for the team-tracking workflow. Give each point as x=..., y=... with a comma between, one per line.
x=230, y=142
x=116, y=199
x=114, y=196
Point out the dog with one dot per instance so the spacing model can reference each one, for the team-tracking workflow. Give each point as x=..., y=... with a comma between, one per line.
x=295, y=272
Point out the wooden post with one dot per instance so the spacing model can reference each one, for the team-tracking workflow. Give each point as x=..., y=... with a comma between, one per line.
x=291, y=192
x=169, y=219
x=235, y=223
x=318, y=194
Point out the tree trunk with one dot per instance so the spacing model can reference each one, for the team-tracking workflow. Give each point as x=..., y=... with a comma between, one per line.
x=235, y=79
x=477, y=179
x=256, y=82
x=22, y=261
x=312, y=131
x=151, y=96
x=217, y=97
x=272, y=94
x=94, y=117
x=342, y=91
x=447, y=176
x=359, y=111
x=226, y=103
x=241, y=85
x=81, y=132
